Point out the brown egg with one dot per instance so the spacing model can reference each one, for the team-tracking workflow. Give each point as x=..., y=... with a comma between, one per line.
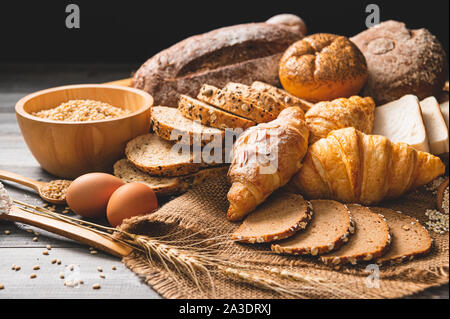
x=89, y=194
x=133, y=199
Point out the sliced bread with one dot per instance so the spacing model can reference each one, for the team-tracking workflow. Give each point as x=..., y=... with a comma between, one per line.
x=281, y=216
x=156, y=156
x=234, y=103
x=170, y=124
x=287, y=99
x=445, y=112
x=259, y=98
x=166, y=186
x=329, y=229
x=401, y=121
x=210, y=116
x=435, y=126
x=370, y=240
x=409, y=237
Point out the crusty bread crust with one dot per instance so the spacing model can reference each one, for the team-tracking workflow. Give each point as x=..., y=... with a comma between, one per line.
x=167, y=120
x=241, y=53
x=291, y=247
x=210, y=116
x=274, y=210
x=165, y=186
x=323, y=67
x=236, y=103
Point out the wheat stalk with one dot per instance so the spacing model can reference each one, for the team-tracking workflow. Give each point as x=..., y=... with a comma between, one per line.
x=194, y=257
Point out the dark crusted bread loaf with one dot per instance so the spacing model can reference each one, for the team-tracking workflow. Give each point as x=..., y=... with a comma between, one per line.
x=401, y=61
x=241, y=53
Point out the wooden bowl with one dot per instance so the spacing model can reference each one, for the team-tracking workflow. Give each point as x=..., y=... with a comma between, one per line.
x=70, y=149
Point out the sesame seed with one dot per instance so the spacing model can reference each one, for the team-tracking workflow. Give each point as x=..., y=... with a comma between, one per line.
x=96, y=286
x=37, y=267
x=32, y=276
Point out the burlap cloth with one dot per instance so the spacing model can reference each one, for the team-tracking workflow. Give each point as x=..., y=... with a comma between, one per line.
x=204, y=208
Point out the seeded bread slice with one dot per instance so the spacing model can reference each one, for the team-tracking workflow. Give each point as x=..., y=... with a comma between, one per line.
x=210, y=116
x=170, y=124
x=129, y=173
x=234, y=103
x=409, y=237
x=371, y=239
x=281, y=216
x=329, y=229
x=287, y=99
x=261, y=99
x=155, y=156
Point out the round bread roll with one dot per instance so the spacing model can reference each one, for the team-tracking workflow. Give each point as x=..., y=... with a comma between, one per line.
x=290, y=20
x=401, y=61
x=323, y=67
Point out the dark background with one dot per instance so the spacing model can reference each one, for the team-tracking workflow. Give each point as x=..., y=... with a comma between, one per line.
x=132, y=31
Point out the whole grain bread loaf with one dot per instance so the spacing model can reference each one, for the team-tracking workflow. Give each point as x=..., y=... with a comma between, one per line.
x=241, y=53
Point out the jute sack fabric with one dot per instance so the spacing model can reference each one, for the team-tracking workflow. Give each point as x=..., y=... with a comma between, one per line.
x=203, y=209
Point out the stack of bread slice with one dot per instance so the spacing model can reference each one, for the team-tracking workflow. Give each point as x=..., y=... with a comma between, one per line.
x=181, y=151
x=338, y=234
x=421, y=124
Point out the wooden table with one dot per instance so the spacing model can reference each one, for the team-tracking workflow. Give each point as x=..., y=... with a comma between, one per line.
x=19, y=248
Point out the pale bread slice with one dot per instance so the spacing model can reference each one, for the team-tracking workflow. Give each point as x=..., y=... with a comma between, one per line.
x=211, y=116
x=435, y=126
x=328, y=230
x=409, y=237
x=234, y=103
x=156, y=156
x=281, y=216
x=170, y=124
x=401, y=121
x=282, y=96
x=165, y=186
x=259, y=98
x=445, y=112
x=370, y=240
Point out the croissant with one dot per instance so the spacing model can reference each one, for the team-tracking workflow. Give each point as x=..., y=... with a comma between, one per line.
x=353, y=167
x=325, y=117
x=264, y=158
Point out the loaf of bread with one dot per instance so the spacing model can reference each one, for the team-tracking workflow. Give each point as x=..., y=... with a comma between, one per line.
x=241, y=53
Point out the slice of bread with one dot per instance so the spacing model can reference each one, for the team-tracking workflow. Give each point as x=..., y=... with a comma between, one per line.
x=328, y=230
x=281, y=216
x=259, y=98
x=409, y=237
x=370, y=240
x=401, y=121
x=234, y=103
x=170, y=124
x=445, y=112
x=156, y=156
x=287, y=99
x=165, y=186
x=435, y=126
x=210, y=116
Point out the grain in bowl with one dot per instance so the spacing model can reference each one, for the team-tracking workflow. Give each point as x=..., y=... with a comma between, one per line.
x=82, y=111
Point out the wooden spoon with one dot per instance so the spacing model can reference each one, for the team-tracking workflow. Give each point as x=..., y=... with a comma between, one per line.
x=71, y=231
x=440, y=195
x=36, y=185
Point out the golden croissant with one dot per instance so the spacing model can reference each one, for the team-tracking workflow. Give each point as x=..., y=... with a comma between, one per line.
x=265, y=157
x=325, y=117
x=353, y=167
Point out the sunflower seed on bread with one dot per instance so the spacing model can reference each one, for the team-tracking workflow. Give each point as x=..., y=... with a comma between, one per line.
x=259, y=98
x=329, y=229
x=170, y=124
x=234, y=103
x=129, y=173
x=283, y=97
x=159, y=157
x=409, y=237
x=370, y=240
x=281, y=216
x=211, y=116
